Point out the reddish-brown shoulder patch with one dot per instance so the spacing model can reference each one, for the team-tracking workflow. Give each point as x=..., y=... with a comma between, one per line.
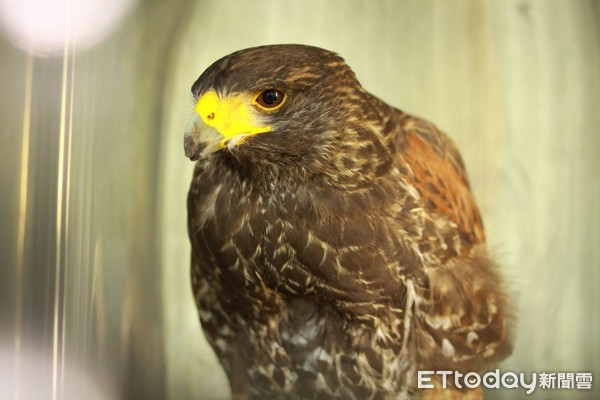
x=443, y=189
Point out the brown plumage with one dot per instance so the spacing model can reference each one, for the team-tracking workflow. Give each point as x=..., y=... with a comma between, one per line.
x=336, y=245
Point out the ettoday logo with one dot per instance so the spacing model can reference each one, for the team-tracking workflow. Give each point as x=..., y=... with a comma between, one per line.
x=509, y=380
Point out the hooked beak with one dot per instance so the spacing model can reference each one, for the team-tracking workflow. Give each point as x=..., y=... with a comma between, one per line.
x=220, y=122
x=201, y=140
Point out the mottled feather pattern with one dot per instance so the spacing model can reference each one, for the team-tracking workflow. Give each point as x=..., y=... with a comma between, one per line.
x=335, y=256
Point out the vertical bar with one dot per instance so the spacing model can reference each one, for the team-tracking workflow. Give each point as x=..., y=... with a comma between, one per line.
x=22, y=222
x=60, y=223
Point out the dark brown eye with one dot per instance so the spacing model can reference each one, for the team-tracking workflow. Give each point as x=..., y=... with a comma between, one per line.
x=270, y=98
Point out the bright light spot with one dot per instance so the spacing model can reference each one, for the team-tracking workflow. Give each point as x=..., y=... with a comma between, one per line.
x=43, y=27
x=33, y=379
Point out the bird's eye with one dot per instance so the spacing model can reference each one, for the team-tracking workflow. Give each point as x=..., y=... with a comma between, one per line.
x=270, y=98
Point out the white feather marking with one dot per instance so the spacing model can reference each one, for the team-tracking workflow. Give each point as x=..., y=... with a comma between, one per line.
x=209, y=211
x=221, y=344
x=408, y=310
x=324, y=356
x=471, y=338
x=299, y=340
x=447, y=348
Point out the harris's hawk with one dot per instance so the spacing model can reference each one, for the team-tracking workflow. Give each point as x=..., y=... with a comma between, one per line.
x=336, y=246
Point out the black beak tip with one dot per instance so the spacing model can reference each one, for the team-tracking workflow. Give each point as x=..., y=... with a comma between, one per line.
x=192, y=150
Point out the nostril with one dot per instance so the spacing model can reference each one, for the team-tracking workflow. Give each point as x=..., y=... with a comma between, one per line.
x=211, y=116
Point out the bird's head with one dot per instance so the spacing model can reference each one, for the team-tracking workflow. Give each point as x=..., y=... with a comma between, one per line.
x=278, y=102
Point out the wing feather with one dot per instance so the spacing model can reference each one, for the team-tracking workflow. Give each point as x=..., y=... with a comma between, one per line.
x=463, y=311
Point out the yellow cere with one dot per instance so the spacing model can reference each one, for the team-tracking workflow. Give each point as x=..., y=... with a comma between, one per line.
x=231, y=116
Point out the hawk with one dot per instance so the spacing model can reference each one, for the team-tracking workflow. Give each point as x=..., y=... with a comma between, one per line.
x=336, y=245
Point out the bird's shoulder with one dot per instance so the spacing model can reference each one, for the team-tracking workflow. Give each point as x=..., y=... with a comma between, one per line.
x=463, y=313
x=434, y=167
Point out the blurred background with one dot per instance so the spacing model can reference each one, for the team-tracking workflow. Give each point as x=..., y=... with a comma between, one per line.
x=95, y=298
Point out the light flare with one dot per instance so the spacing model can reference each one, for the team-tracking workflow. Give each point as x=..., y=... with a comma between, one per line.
x=39, y=26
